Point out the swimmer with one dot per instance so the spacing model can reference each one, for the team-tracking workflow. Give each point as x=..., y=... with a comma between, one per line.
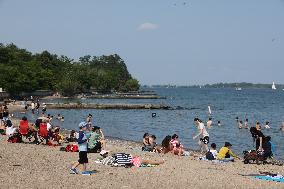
x=246, y=124
x=209, y=123
x=240, y=124
x=282, y=127
x=267, y=126
x=219, y=123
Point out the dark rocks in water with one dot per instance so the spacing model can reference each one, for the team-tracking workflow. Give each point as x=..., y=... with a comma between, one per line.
x=107, y=106
x=185, y=108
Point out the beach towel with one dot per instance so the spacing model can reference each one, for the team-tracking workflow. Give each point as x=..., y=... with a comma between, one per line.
x=90, y=172
x=148, y=165
x=278, y=178
x=123, y=159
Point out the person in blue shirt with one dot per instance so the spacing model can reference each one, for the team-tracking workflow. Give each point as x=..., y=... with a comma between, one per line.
x=82, y=145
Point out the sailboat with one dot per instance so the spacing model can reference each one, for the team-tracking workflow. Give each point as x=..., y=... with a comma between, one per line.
x=273, y=86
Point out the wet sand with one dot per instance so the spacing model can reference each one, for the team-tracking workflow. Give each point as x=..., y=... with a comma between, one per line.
x=39, y=166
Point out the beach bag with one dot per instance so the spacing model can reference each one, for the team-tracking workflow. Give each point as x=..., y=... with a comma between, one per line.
x=16, y=138
x=71, y=148
x=123, y=159
x=209, y=156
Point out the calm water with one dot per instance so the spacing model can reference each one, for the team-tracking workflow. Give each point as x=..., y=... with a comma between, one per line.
x=226, y=104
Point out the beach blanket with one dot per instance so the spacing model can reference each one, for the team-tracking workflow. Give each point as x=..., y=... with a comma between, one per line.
x=278, y=178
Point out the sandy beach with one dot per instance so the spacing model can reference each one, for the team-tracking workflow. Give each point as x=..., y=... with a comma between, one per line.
x=39, y=166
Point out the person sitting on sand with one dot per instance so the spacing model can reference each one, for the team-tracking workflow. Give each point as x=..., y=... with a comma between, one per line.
x=83, y=156
x=209, y=122
x=204, y=140
x=97, y=140
x=146, y=144
x=212, y=153
x=59, y=138
x=152, y=142
x=10, y=129
x=267, y=126
x=72, y=136
x=225, y=154
x=166, y=145
x=177, y=147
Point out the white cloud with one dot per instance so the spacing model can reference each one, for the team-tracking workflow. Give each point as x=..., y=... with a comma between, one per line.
x=148, y=26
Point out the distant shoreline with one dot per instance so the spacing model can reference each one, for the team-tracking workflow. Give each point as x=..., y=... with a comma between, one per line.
x=243, y=85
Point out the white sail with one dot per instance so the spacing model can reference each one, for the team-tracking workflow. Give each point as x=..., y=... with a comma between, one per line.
x=273, y=86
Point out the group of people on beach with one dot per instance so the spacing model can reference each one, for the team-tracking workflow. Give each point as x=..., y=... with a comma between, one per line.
x=172, y=144
x=90, y=139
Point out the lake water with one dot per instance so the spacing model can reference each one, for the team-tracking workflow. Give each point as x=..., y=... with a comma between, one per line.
x=226, y=104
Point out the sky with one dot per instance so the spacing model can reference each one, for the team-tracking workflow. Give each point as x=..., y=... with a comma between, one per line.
x=162, y=41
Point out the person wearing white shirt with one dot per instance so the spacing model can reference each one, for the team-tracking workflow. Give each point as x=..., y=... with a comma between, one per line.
x=204, y=139
x=10, y=130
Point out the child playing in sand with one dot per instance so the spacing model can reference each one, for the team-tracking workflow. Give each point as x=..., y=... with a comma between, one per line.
x=82, y=144
x=204, y=140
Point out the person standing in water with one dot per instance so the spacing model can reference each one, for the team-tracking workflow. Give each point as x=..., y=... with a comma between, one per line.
x=282, y=127
x=240, y=124
x=204, y=140
x=267, y=125
x=219, y=123
x=209, y=123
x=246, y=124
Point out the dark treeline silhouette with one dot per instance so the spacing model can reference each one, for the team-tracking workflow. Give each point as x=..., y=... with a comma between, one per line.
x=22, y=71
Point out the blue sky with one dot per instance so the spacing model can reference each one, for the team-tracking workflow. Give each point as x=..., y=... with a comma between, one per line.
x=162, y=41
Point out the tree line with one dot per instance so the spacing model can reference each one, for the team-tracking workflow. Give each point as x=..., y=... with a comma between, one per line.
x=23, y=71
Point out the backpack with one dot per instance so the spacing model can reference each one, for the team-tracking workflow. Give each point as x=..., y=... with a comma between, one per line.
x=122, y=159
x=209, y=156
